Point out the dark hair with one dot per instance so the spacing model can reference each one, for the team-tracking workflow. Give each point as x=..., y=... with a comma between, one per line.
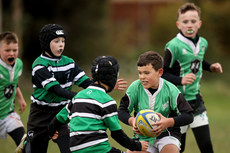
x=188, y=7
x=151, y=57
x=8, y=37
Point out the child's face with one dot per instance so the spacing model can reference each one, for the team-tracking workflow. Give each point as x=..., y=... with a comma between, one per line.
x=57, y=46
x=189, y=23
x=8, y=52
x=149, y=77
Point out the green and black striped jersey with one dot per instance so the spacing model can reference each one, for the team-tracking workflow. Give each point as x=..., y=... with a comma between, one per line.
x=187, y=57
x=9, y=76
x=48, y=72
x=90, y=114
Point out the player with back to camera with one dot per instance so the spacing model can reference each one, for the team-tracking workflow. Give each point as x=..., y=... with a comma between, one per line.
x=92, y=111
x=183, y=66
x=151, y=91
x=53, y=75
x=10, y=70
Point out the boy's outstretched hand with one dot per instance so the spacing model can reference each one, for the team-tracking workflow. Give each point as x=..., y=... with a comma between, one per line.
x=144, y=145
x=121, y=84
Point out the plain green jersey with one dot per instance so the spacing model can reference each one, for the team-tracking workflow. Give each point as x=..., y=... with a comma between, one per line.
x=189, y=57
x=90, y=114
x=9, y=76
x=167, y=100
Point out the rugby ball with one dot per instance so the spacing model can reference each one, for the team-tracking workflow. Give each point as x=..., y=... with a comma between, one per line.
x=144, y=119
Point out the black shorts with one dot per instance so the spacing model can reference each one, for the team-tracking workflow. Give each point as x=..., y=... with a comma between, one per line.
x=39, y=119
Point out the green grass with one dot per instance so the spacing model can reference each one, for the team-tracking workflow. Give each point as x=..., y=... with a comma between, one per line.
x=216, y=96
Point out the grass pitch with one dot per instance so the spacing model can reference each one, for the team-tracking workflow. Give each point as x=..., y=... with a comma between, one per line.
x=216, y=96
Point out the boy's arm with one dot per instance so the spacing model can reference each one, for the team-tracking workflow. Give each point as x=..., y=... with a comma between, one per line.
x=60, y=119
x=123, y=112
x=54, y=126
x=168, y=72
x=206, y=66
x=186, y=116
x=85, y=83
x=124, y=115
x=21, y=100
x=125, y=141
x=172, y=74
x=61, y=92
x=215, y=67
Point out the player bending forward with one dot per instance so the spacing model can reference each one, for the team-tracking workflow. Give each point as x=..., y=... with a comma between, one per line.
x=92, y=111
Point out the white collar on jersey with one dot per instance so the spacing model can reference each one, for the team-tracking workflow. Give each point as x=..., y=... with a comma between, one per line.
x=195, y=49
x=97, y=88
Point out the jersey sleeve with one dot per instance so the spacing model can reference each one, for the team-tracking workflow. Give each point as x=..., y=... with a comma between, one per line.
x=174, y=94
x=132, y=93
x=181, y=107
x=206, y=66
x=80, y=76
x=186, y=116
x=63, y=115
x=171, y=67
x=42, y=78
x=127, y=103
x=61, y=92
x=125, y=141
x=110, y=116
x=171, y=48
x=123, y=112
x=169, y=71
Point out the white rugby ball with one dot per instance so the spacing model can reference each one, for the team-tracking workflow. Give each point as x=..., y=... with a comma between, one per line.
x=144, y=119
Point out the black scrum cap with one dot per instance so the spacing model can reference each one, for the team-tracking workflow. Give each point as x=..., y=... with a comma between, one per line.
x=105, y=69
x=47, y=34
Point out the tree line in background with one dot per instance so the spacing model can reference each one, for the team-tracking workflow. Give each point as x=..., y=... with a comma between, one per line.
x=90, y=31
